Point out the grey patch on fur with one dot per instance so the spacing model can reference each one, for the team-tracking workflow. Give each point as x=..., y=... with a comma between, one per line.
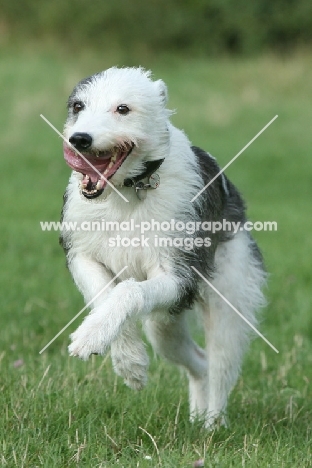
x=220, y=201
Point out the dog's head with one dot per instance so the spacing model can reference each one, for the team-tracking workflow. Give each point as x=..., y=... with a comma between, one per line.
x=117, y=120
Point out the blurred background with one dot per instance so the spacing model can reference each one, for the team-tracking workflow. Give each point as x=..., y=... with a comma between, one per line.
x=230, y=67
x=191, y=26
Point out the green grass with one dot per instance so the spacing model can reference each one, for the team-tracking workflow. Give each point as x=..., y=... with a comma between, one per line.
x=60, y=412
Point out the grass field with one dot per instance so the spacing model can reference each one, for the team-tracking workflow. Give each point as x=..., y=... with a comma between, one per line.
x=60, y=412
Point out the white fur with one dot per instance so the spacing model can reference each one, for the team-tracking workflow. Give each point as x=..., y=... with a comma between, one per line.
x=148, y=287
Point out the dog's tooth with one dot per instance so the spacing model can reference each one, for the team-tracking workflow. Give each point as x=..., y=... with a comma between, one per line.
x=99, y=184
x=85, y=181
x=110, y=165
x=114, y=154
x=105, y=172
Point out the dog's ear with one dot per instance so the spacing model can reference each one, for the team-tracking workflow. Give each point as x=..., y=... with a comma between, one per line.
x=162, y=90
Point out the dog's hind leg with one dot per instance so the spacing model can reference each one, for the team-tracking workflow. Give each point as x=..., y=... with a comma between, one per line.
x=239, y=277
x=171, y=339
x=129, y=356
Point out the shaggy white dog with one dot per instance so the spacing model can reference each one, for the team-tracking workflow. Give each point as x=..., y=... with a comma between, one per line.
x=134, y=169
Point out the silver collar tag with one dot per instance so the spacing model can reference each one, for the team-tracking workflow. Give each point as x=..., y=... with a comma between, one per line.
x=141, y=188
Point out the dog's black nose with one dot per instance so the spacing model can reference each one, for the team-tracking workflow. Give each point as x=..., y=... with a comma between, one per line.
x=81, y=141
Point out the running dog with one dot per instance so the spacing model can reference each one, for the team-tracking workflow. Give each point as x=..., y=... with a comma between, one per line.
x=132, y=166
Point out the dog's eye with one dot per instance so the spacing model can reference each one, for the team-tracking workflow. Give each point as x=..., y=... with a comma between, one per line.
x=77, y=107
x=123, y=109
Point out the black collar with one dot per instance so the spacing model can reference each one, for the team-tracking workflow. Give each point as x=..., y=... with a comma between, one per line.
x=150, y=168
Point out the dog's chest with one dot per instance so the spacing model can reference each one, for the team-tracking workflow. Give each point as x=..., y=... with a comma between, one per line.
x=116, y=238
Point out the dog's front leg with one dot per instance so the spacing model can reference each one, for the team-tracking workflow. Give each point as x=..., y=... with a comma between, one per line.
x=129, y=299
x=90, y=277
x=129, y=356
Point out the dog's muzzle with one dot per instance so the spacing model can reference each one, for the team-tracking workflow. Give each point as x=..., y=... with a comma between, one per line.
x=96, y=166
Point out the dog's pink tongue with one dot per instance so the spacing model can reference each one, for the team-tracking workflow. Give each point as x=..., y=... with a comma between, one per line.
x=76, y=162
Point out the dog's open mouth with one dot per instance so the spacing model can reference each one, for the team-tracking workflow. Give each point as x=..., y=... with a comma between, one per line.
x=103, y=165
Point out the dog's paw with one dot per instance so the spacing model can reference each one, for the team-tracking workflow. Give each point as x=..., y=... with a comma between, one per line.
x=84, y=344
x=104, y=323
x=129, y=357
x=133, y=373
x=137, y=382
x=93, y=336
